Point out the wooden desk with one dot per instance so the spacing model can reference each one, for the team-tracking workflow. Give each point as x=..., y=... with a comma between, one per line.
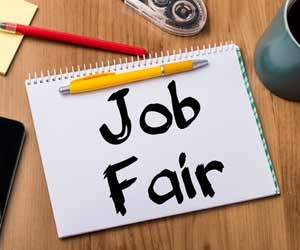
x=272, y=223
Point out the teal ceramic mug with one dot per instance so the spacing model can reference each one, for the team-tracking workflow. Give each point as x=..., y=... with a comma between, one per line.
x=277, y=55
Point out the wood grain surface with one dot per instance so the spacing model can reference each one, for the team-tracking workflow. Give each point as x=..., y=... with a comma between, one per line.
x=272, y=223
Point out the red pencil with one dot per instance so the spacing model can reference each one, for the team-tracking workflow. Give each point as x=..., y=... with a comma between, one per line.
x=72, y=39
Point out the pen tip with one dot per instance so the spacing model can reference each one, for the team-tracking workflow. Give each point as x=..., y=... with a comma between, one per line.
x=2, y=25
x=199, y=63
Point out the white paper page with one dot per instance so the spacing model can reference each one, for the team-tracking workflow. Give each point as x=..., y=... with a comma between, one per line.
x=75, y=154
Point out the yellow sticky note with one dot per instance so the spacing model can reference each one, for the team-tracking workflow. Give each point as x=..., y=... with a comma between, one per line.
x=15, y=11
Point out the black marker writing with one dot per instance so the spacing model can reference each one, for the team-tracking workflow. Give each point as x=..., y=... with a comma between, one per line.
x=201, y=174
x=178, y=106
x=186, y=176
x=126, y=123
x=115, y=186
x=161, y=110
x=176, y=191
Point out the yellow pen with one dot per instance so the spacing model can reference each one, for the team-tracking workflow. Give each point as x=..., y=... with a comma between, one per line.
x=111, y=79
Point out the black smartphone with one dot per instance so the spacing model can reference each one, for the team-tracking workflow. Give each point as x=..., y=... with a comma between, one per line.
x=12, y=134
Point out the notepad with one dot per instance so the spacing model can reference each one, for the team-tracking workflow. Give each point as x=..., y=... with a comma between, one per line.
x=15, y=11
x=150, y=149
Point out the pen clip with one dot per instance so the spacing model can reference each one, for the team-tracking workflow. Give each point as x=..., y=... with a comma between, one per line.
x=93, y=76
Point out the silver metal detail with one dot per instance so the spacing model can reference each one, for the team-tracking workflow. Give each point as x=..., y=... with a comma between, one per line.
x=162, y=68
x=65, y=90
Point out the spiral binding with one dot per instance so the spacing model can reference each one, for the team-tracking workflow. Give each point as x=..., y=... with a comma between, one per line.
x=127, y=64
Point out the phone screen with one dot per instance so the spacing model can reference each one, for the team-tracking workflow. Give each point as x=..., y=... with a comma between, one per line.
x=11, y=141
